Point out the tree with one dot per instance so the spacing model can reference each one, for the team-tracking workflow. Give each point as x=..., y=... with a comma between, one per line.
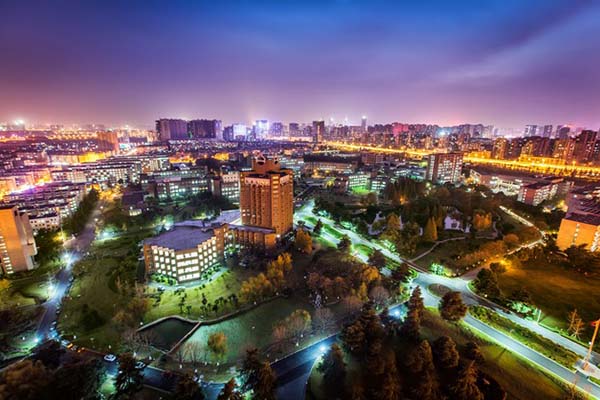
x=390, y=388
x=78, y=379
x=265, y=384
x=129, y=379
x=420, y=363
x=486, y=283
x=303, y=241
x=344, y=244
x=576, y=325
x=473, y=352
x=27, y=379
x=187, y=389
x=445, y=353
x=278, y=269
x=402, y=273
x=465, y=386
x=482, y=220
x=318, y=227
x=580, y=259
x=217, y=343
x=452, y=307
x=323, y=319
x=230, y=392
x=250, y=367
x=412, y=323
x=430, y=232
x=377, y=259
x=379, y=295
x=333, y=368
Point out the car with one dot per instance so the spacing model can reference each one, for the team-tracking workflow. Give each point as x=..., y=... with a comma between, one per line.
x=64, y=343
x=73, y=347
x=140, y=365
x=110, y=357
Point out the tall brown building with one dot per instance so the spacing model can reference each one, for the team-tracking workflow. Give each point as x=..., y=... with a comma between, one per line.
x=267, y=196
x=17, y=245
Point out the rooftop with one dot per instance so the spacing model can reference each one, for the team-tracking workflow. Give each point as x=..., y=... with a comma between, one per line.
x=589, y=219
x=183, y=236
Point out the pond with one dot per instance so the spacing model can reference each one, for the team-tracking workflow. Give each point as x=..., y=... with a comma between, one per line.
x=166, y=333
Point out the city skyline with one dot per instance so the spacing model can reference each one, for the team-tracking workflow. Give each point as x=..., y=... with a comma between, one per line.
x=505, y=64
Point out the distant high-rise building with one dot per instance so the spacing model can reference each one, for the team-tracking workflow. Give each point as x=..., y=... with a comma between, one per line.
x=267, y=196
x=277, y=129
x=584, y=145
x=172, y=129
x=444, y=167
x=363, y=124
x=108, y=141
x=318, y=128
x=564, y=149
x=294, y=129
x=261, y=128
x=530, y=130
x=547, y=132
x=239, y=131
x=500, y=149
x=17, y=245
x=562, y=132
x=205, y=129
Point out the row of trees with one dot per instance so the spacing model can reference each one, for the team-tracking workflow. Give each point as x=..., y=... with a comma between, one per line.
x=429, y=370
x=267, y=284
x=76, y=222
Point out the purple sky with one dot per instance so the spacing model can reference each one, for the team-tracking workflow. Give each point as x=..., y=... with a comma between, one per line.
x=507, y=63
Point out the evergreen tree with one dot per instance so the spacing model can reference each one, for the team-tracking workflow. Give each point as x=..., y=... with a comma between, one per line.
x=265, y=385
x=473, y=352
x=465, y=386
x=412, y=323
x=377, y=259
x=318, y=228
x=389, y=388
x=445, y=353
x=452, y=307
x=250, y=367
x=129, y=379
x=430, y=231
x=333, y=368
x=187, y=389
x=230, y=392
x=344, y=244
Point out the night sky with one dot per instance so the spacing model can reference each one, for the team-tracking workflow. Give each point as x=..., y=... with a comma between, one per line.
x=505, y=62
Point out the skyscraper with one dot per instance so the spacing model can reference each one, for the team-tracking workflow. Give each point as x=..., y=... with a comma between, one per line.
x=318, y=128
x=172, y=129
x=17, y=245
x=108, y=141
x=205, y=129
x=267, y=196
x=363, y=124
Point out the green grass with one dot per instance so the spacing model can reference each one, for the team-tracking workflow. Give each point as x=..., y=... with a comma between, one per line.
x=556, y=291
x=251, y=329
x=227, y=283
x=25, y=292
x=531, y=339
x=446, y=253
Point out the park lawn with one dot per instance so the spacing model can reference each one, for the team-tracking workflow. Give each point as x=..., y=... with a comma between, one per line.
x=253, y=328
x=226, y=283
x=531, y=339
x=556, y=291
x=93, y=286
x=519, y=378
x=445, y=253
x=25, y=292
